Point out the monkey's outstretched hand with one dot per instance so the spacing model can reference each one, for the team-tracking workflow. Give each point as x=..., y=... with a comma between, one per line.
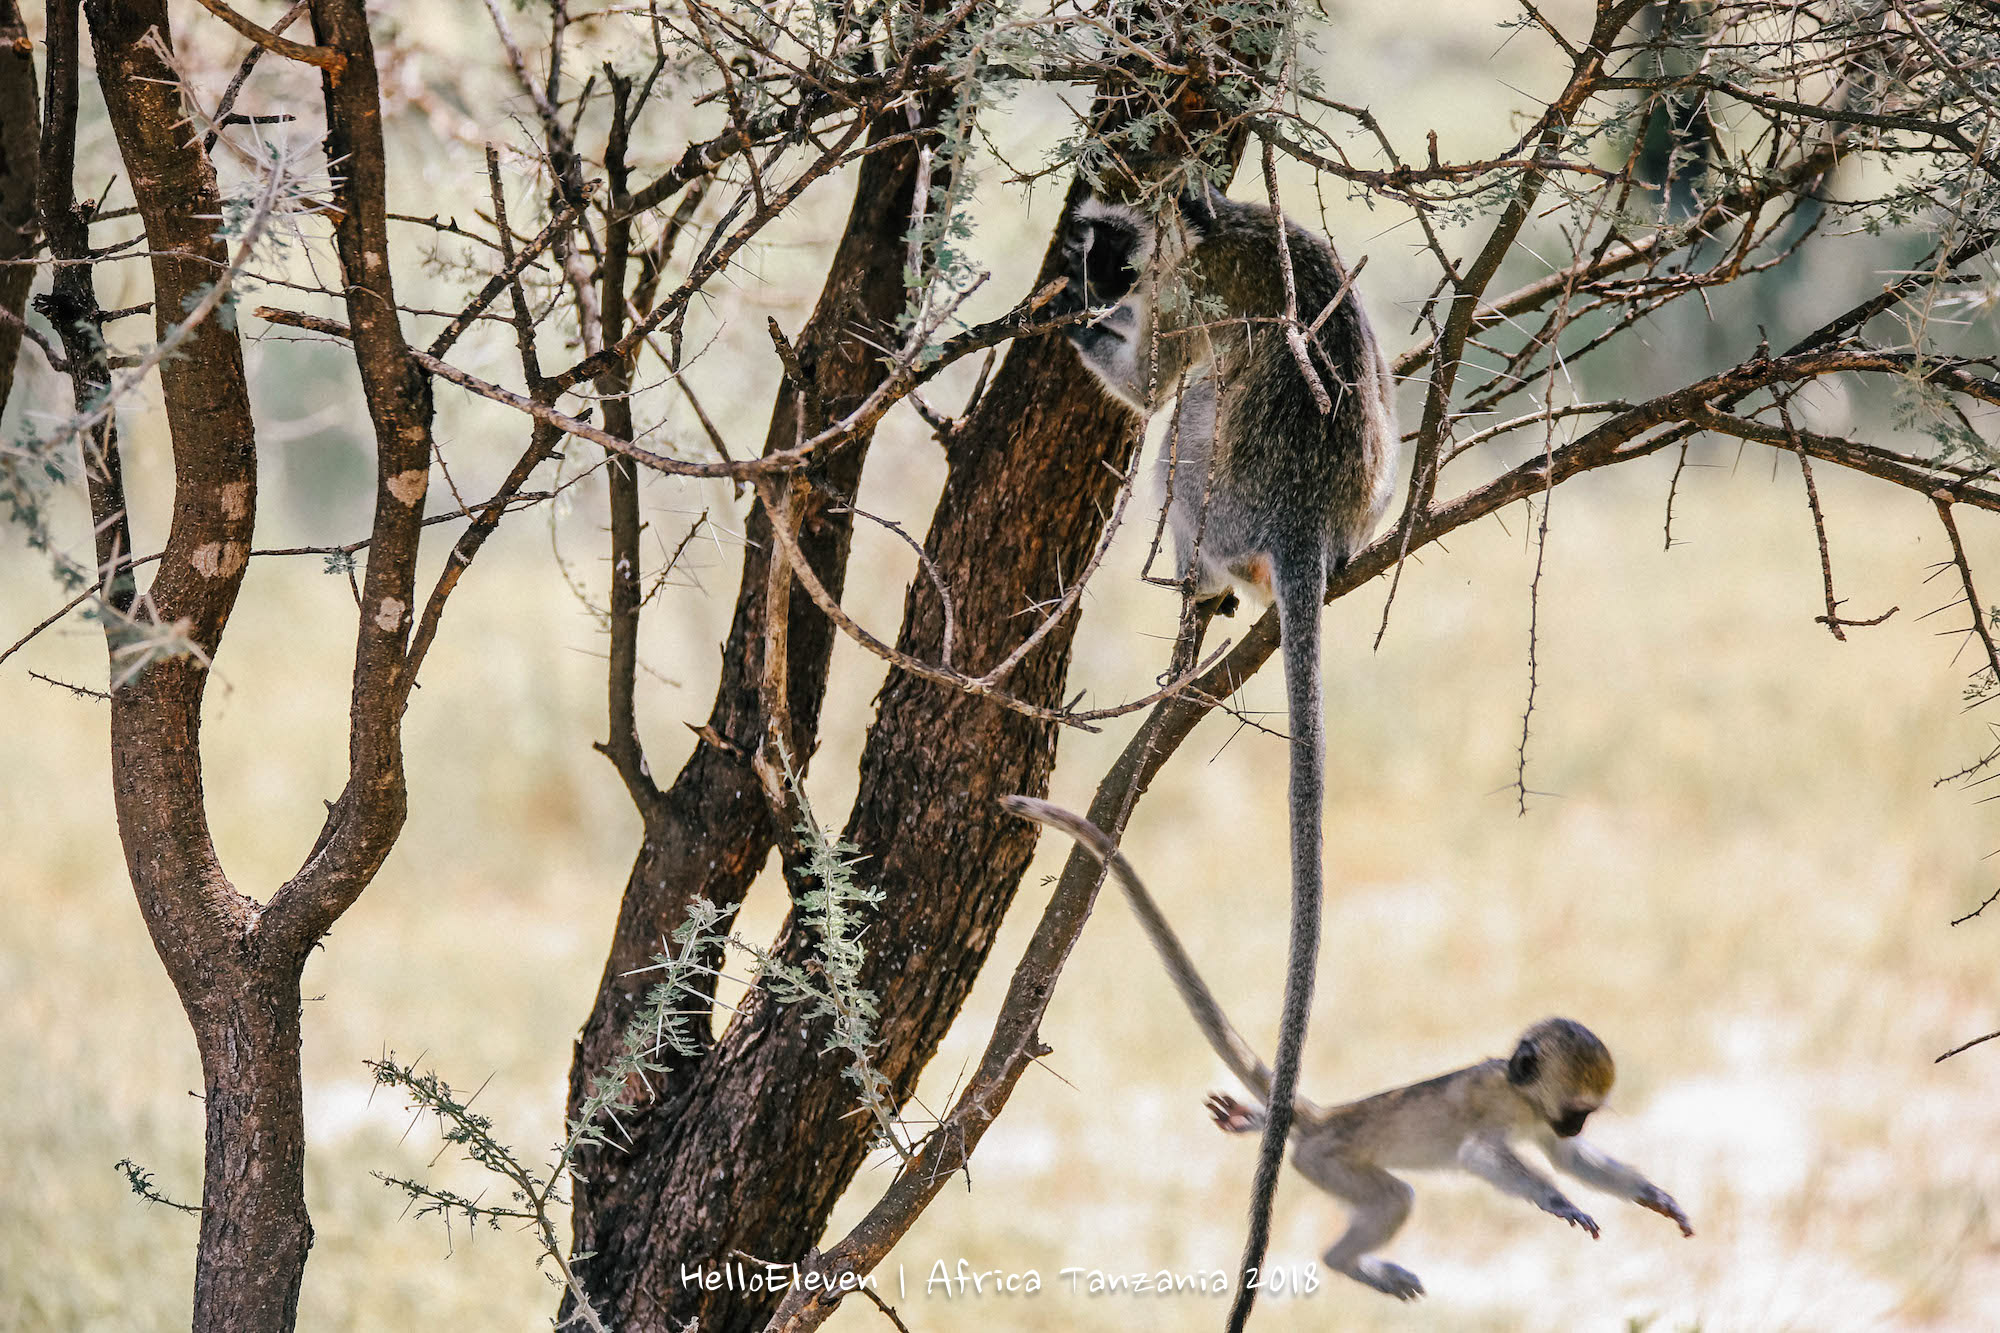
x=1657, y=1200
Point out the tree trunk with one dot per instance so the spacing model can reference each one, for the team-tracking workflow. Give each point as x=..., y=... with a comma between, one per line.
x=235, y=964
x=254, y=1228
x=20, y=171
x=708, y=833
x=242, y=1003
x=722, y=1167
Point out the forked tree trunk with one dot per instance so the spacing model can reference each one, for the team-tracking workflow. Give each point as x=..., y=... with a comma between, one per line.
x=724, y=1165
x=751, y=1143
x=235, y=964
x=242, y=1004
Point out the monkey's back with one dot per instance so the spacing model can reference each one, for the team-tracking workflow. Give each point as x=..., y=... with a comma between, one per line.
x=1286, y=475
x=1418, y=1127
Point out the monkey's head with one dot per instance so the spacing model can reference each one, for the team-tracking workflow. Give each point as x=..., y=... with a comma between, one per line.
x=1564, y=1072
x=1105, y=245
x=1119, y=228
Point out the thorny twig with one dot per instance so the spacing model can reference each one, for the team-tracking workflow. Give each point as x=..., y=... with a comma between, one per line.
x=1943, y=501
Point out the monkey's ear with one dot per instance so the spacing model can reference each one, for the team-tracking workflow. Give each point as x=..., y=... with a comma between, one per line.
x=1524, y=1065
x=1198, y=204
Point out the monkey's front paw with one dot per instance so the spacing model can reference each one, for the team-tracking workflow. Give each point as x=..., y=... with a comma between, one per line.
x=1573, y=1215
x=1232, y=1116
x=1659, y=1201
x=1394, y=1280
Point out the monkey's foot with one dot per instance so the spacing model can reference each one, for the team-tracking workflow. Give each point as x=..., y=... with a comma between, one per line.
x=1659, y=1201
x=1232, y=1116
x=1390, y=1279
x=1573, y=1215
x=1226, y=605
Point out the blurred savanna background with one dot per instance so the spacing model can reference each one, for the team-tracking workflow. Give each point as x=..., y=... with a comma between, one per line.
x=1736, y=861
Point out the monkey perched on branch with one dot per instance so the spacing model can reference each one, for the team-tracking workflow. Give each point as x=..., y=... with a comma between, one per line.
x=1468, y=1120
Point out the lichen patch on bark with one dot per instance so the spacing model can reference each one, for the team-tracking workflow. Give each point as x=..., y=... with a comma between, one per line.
x=218, y=560
x=409, y=487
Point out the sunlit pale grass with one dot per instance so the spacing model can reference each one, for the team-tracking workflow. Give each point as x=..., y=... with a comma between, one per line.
x=1736, y=869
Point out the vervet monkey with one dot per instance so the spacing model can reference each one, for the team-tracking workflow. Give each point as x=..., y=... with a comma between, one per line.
x=1556, y=1078
x=1266, y=487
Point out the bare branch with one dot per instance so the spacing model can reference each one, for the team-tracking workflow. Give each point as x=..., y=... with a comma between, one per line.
x=326, y=58
x=542, y=412
x=1981, y=617
x=1964, y=1046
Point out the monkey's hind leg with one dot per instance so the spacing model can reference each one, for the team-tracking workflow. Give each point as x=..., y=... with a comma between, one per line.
x=1232, y=1116
x=1224, y=603
x=1381, y=1204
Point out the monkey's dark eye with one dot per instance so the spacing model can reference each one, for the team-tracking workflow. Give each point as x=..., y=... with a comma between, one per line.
x=1570, y=1125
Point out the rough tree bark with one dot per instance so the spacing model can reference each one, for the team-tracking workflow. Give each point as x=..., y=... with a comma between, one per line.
x=707, y=833
x=241, y=1001
x=20, y=170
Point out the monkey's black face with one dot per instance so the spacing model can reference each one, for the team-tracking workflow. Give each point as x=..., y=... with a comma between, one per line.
x=1571, y=1123
x=1097, y=255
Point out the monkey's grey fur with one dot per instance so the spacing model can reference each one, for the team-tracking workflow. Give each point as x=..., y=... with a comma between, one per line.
x=1558, y=1075
x=1264, y=488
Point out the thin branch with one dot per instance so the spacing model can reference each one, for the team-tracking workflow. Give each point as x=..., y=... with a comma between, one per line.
x=1991, y=898
x=1980, y=617
x=509, y=274
x=833, y=611
x=782, y=461
x=1832, y=617
x=249, y=63
x=1725, y=209
x=1070, y=594
x=930, y=569
x=326, y=58
x=888, y=1310
x=542, y=443
x=1469, y=289
x=1294, y=338
x=80, y=691
x=1966, y=1046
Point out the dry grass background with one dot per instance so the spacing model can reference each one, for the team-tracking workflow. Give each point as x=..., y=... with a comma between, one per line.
x=1737, y=869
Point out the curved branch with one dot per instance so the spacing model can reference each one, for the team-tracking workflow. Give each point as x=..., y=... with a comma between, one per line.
x=958, y=680
x=325, y=57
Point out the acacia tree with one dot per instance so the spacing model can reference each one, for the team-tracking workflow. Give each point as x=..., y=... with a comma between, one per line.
x=1690, y=148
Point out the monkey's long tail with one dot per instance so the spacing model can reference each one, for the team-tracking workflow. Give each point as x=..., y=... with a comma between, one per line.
x=1300, y=584
x=1208, y=1016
